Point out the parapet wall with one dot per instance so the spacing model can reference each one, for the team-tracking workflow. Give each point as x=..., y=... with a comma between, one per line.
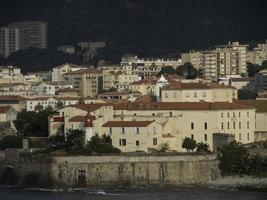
x=86, y=171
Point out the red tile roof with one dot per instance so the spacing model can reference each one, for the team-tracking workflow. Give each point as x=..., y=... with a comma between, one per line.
x=175, y=85
x=127, y=123
x=4, y=109
x=90, y=107
x=180, y=106
x=260, y=105
x=14, y=98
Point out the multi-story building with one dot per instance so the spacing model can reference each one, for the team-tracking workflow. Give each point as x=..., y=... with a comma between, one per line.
x=118, y=79
x=58, y=71
x=144, y=126
x=9, y=41
x=146, y=68
x=10, y=74
x=89, y=82
x=145, y=87
x=258, y=54
x=42, y=75
x=197, y=92
x=50, y=88
x=221, y=61
x=17, y=89
x=32, y=34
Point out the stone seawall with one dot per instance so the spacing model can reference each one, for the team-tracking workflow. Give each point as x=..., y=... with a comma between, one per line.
x=86, y=171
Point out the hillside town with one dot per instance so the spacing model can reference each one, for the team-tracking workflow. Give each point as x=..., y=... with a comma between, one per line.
x=142, y=104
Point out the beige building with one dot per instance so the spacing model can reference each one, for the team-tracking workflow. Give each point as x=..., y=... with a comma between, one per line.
x=7, y=114
x=258, y=54
x=145, y=87
x=89, y=82
x=144, y=126
x=197, y=92
x=57, y=72
x=16, y=102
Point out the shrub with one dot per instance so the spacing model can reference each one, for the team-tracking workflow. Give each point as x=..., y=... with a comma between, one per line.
x=203, y=147
x=164, y=147
x=189, y=144
x=11, y=141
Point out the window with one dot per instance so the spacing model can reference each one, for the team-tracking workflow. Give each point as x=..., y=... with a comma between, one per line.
x=233, y=114
x=137, y=130
x=155, y=141
x=166, y=95
x=205, y=137
x=154, y=130
x=122, y=142
x=233, y=125
x=247, y=114
x=247, y=124
x=192, y=136
x=248, y=136
x=192, y=125
x=195, y=94
x=204, y=94
x=153, y=114
x=137, y=142
x=228, y=125
x=239, y=114
x=221, y=115
x=222, y=125
x=205, y=125
x=239, y=125
x=122, y=130
x=110, y=131
x=239, y=136
x=170, y=114
x=228, y=115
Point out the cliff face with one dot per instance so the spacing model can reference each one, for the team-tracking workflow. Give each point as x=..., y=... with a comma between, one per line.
x=120, y=170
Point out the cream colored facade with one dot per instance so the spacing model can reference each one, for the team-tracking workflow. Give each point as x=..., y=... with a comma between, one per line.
x=258, y=54
x=145, y=87
x=58, y=71
x=172, y=122
x=88, y=82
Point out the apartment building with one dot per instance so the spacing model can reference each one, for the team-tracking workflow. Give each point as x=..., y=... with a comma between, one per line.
x=16, y=89
x=9, y=41
x=221, y=61
x=32, y=33
x=258, y=54
x=58, y=71
x=145, y=86
x=10, y=74
x=89, y=82
x=197, y=92
x=50, y=88
x=146, y=68
x=118, y=79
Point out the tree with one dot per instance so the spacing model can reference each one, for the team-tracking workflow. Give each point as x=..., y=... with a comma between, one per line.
x=38, y=108
x=189, y=144
x=75, y=139
x=244, y=94
x=234, y=159
x=252, y=69
x=167, y=70
x=81, y=101
x=11, y=141
x=59, y=104
x=164, y=147
x=187, y=71
x=57, y=141
x=203, y=147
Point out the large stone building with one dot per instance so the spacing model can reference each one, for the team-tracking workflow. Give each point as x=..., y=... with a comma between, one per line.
x=32, y=34
x=57, y=72
x=144, y=126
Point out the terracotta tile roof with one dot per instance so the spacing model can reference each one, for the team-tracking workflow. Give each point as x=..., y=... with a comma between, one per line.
x=243, y=79
x=260, y=105
x=79, y=118
x=11, y=84
x=90, y=107
x=145, y=98
x=40, y=98
x=127, y=123
x=67, y=90
x=13, y=98
x=180, y=106
x=145, y=81
x=4, y=109
x=85, y=71
x=175, y=85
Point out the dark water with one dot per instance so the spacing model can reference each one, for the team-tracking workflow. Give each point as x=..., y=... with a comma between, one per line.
x=130, y=194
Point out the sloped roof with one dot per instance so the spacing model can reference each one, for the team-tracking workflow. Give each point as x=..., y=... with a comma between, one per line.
x=260, y=105
x=127, y=123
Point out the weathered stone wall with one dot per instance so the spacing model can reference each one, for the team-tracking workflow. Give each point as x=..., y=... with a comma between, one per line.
x=122, y=170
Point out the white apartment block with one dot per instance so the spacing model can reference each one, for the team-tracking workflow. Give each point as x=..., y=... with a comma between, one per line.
x=58, y=71
x=258, y=54
x=223, y=60
x=50, y=88
x=9, y=41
